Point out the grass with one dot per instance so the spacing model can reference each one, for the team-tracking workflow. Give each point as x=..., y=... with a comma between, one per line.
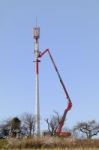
x=57, y=149
x=49, y=143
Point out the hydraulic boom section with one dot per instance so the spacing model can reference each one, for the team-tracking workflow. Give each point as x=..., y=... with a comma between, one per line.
x=61, y=123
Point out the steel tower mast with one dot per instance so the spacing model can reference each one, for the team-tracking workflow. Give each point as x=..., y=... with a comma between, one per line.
x=36, y=33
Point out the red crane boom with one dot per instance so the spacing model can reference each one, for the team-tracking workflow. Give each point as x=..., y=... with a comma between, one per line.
x=61, y=123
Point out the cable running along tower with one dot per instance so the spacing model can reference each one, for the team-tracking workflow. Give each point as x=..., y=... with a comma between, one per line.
x=38, y=55
x=36, y=33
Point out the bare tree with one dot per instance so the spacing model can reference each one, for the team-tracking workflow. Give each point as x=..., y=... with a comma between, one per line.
x=89, y=129
x=28, y=123
x=53, y=123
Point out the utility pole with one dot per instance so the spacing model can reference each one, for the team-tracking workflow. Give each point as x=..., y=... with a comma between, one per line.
x=36, y=33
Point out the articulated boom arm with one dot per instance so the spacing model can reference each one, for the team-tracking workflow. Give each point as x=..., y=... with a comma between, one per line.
x=61, y=123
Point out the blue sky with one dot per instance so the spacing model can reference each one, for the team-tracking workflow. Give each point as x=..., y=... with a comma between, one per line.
x=70, y=28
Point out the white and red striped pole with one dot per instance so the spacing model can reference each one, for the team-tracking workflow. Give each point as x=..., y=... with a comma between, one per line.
x=36, y=32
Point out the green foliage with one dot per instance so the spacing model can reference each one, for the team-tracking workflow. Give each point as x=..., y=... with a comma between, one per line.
x=15, y=126
x=15, y=123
